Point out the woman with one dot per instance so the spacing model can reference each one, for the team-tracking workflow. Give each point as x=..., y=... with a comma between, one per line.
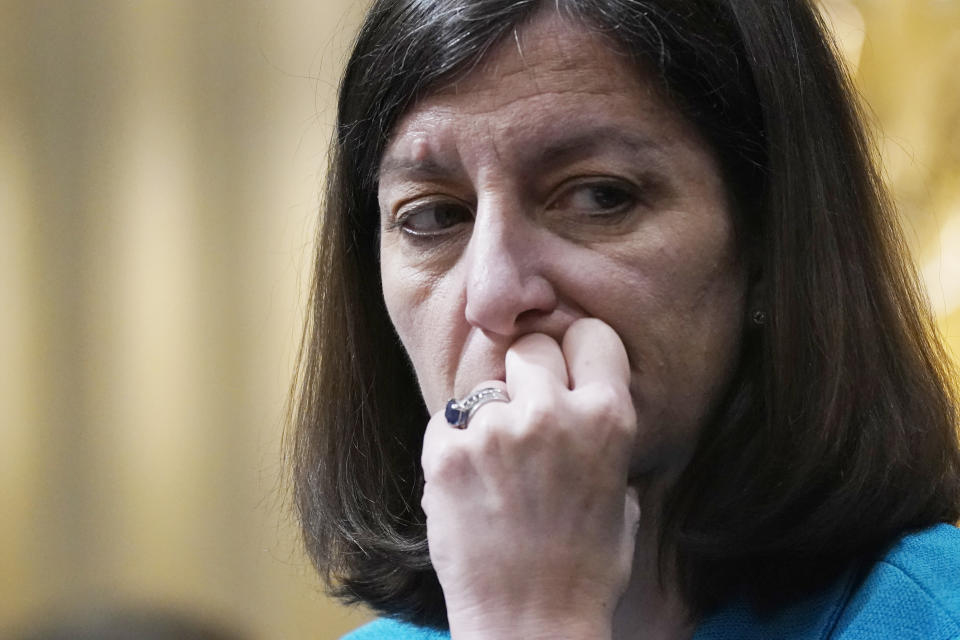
x=646, y=359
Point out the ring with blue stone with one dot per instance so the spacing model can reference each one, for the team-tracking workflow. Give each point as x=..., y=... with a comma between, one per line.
x=458, y=413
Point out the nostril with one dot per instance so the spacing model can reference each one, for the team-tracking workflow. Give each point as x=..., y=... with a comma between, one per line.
x=531, y=316
x=511, y=311
x=553, y=323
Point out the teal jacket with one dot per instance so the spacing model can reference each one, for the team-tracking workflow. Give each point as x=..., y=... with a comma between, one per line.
x=912, y=593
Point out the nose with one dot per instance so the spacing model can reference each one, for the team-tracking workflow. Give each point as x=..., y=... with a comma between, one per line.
x=507, y=288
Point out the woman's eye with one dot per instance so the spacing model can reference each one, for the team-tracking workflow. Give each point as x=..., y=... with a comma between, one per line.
x=433, y=218
x=597, y=199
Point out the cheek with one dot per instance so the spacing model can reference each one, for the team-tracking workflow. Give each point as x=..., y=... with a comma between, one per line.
x=396, y=297
x=679, y=307
x=682, y=328
x=404, y=304
x=709, y=320
x=407, y=293
x=699, y=347
x=416, y=305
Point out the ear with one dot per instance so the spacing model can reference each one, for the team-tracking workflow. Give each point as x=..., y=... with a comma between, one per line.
x=757, y=305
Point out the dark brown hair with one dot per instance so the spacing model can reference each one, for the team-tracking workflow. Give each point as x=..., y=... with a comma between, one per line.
x=839, y=432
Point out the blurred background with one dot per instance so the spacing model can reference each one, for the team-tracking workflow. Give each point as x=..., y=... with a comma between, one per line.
x=160, y=162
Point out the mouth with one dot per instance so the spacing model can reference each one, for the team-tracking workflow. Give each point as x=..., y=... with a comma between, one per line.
x=466, y=391
x=469, y=380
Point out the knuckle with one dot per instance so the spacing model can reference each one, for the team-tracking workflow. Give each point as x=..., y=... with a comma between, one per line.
x=493, y=437
x=492, y=443
x=611, y=406
x=536, y=415
x=445, y=463
x=426, y=501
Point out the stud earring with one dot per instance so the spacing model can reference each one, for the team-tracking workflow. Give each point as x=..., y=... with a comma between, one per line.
x=759, y=317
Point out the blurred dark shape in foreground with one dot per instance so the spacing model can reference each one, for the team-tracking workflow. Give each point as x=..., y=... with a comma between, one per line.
x=128, y=624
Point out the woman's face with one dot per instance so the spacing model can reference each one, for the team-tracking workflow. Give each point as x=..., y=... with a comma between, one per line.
x=553, y=183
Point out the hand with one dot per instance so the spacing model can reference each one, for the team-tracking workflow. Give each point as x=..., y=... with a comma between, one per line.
x=530, y=522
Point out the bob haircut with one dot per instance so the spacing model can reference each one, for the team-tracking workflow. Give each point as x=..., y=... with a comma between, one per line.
x=838, y=433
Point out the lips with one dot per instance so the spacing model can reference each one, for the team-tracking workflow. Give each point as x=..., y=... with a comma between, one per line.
x=468, y=381
x=481, y=360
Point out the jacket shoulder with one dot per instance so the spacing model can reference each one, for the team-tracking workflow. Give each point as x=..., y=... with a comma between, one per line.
x=913, y=592
x=386, y=629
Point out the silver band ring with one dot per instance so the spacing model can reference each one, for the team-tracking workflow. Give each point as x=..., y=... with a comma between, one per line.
x=458, y=413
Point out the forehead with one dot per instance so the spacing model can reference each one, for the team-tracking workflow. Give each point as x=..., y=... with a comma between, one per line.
x=548, y=49
x=551, y=77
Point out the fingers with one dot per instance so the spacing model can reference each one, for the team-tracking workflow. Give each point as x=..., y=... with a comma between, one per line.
x=594, y=353
x=600, y=384
x=438, y=454
x=535, y=367
x=539, y=373
x=539, y=484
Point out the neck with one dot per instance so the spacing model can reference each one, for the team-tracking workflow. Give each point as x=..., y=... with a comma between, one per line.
x=651, y=608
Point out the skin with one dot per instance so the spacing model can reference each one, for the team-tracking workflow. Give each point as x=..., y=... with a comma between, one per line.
x=553, y=227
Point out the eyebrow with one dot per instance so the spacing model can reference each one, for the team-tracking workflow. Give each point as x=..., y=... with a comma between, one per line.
x=586, y=142
x=424, y=169
x=559, y=150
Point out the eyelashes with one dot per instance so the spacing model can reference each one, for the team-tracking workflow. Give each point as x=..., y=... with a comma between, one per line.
x=431, y=217
x=596, y=198
x=589, y=201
